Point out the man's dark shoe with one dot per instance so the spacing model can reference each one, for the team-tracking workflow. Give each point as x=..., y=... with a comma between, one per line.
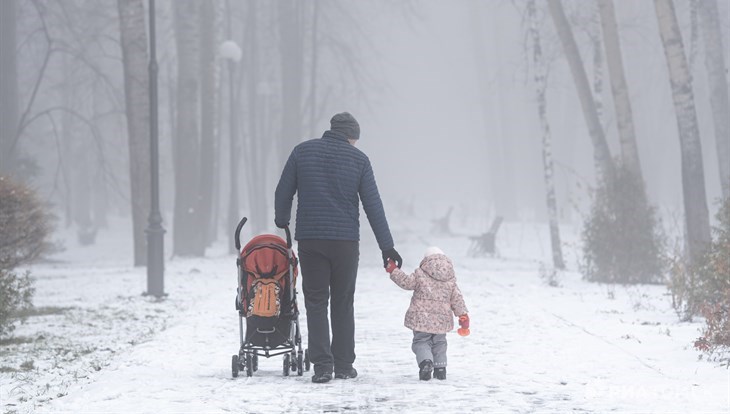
x=322, y=377
x=346, y=374
x=439, y=373
x=426, y=367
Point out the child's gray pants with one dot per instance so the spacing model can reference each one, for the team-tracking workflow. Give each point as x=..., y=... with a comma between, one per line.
x=430, y=346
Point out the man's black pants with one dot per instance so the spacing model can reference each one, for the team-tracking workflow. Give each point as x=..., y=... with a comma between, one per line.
x=329, y=269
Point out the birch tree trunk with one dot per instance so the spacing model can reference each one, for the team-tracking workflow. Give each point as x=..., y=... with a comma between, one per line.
x=717, y=76
x=621, y=101
x=136, y=87
x=697, y=219
x=547, y=155
x=8, y=84
x=208, y=133
x=186, y=235
x=601, y=153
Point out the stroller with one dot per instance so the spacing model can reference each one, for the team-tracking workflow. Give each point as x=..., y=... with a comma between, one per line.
x=266, y=299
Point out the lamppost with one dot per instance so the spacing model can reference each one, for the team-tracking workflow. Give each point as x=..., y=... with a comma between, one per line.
x=155, y=232
x=230, y=51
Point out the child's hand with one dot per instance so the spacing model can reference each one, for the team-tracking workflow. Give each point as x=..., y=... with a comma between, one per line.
x=391, y=266
x=464, y=324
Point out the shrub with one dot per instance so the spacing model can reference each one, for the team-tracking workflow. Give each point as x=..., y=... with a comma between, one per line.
x=24, y=225
x=24, y=230
x=709, y=291
x=16, y=293
x=693, y=287
x=622, y=241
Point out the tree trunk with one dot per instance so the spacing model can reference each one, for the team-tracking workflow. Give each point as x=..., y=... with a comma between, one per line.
x=291, y=49
x=693, y=180
x=208, y=74
x=601, y=153
x=598, y=78
x=256, y=172
x=499, y=154
x=8, y=84
x=185, y=224
x=136, y=87
x=547, y=156
x=621, y=101
x=313, y=72
x=717, y=76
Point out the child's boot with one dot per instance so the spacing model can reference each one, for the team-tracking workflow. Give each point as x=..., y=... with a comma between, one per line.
x=440, y=373
x=426, y=367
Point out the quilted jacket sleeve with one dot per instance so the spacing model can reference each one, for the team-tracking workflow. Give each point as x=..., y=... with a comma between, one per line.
x=457, y=302
x=404, y=280
x=285, y=191
x=373, y=206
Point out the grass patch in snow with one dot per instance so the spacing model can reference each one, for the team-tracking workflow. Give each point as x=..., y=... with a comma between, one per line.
x=16, y=340
x=41, y=311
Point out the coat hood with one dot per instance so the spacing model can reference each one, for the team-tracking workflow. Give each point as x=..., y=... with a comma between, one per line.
x=439, y=267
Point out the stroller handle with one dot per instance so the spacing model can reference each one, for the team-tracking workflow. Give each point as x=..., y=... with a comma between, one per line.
x=288, y=237
x=237, y=236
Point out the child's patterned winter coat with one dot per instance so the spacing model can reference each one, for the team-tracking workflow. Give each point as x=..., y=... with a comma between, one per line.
x=436, y=297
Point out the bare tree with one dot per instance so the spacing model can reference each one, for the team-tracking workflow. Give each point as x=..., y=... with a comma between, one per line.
x=185, y=226
x=540, y=78
x=717, y=76
x=501, y=175
x=136, y=86
x=621, y=101
x=697, y=219
x=8, y=83
x=601, y=153
x=291, y=45
x=208, y=132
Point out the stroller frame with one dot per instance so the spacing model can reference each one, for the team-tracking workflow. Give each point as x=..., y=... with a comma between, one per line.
x=296, y=359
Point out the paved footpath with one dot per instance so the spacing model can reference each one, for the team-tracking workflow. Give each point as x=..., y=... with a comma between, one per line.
x=533, y=348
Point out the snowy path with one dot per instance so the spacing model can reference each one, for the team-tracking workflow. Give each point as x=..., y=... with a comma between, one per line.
x=533, y=348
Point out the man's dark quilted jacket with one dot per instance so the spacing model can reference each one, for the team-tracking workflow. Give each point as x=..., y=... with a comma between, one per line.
x=331, y=177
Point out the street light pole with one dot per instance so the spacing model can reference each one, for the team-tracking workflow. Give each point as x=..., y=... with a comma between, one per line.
x=155, y=232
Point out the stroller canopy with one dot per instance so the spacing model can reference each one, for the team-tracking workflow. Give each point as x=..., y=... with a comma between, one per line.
x=266, y=255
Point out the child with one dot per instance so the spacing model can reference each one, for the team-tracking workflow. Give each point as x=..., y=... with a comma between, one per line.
x=435, y=297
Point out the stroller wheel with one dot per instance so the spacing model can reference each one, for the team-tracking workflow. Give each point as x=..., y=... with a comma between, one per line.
x=255, y=362
x=249, y=365
x=287, y=364
x=293, y=361
x=235, y=363
x=300, y=363
x=307, y=364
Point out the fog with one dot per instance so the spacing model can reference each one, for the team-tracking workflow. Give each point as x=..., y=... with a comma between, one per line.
x=444, y=93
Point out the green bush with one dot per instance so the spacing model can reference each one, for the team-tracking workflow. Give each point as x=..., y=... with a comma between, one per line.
x=706, y=283
x=24, y=230
x=24, y=225
x=16, y=293
x=622, y=241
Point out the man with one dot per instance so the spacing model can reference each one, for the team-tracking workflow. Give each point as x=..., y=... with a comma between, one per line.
x=331, y=177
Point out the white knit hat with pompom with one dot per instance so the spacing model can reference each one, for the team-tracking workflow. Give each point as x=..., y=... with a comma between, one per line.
x=431, y=251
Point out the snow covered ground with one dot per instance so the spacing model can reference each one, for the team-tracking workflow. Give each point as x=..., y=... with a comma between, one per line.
x=100, y=346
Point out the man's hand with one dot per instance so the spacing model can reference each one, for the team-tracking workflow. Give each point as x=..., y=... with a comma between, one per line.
x=281, y=225
x=391, y=266
x=393, y=255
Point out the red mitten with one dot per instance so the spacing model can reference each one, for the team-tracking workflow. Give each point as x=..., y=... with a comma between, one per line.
x=391, y=266
x=464, y=324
